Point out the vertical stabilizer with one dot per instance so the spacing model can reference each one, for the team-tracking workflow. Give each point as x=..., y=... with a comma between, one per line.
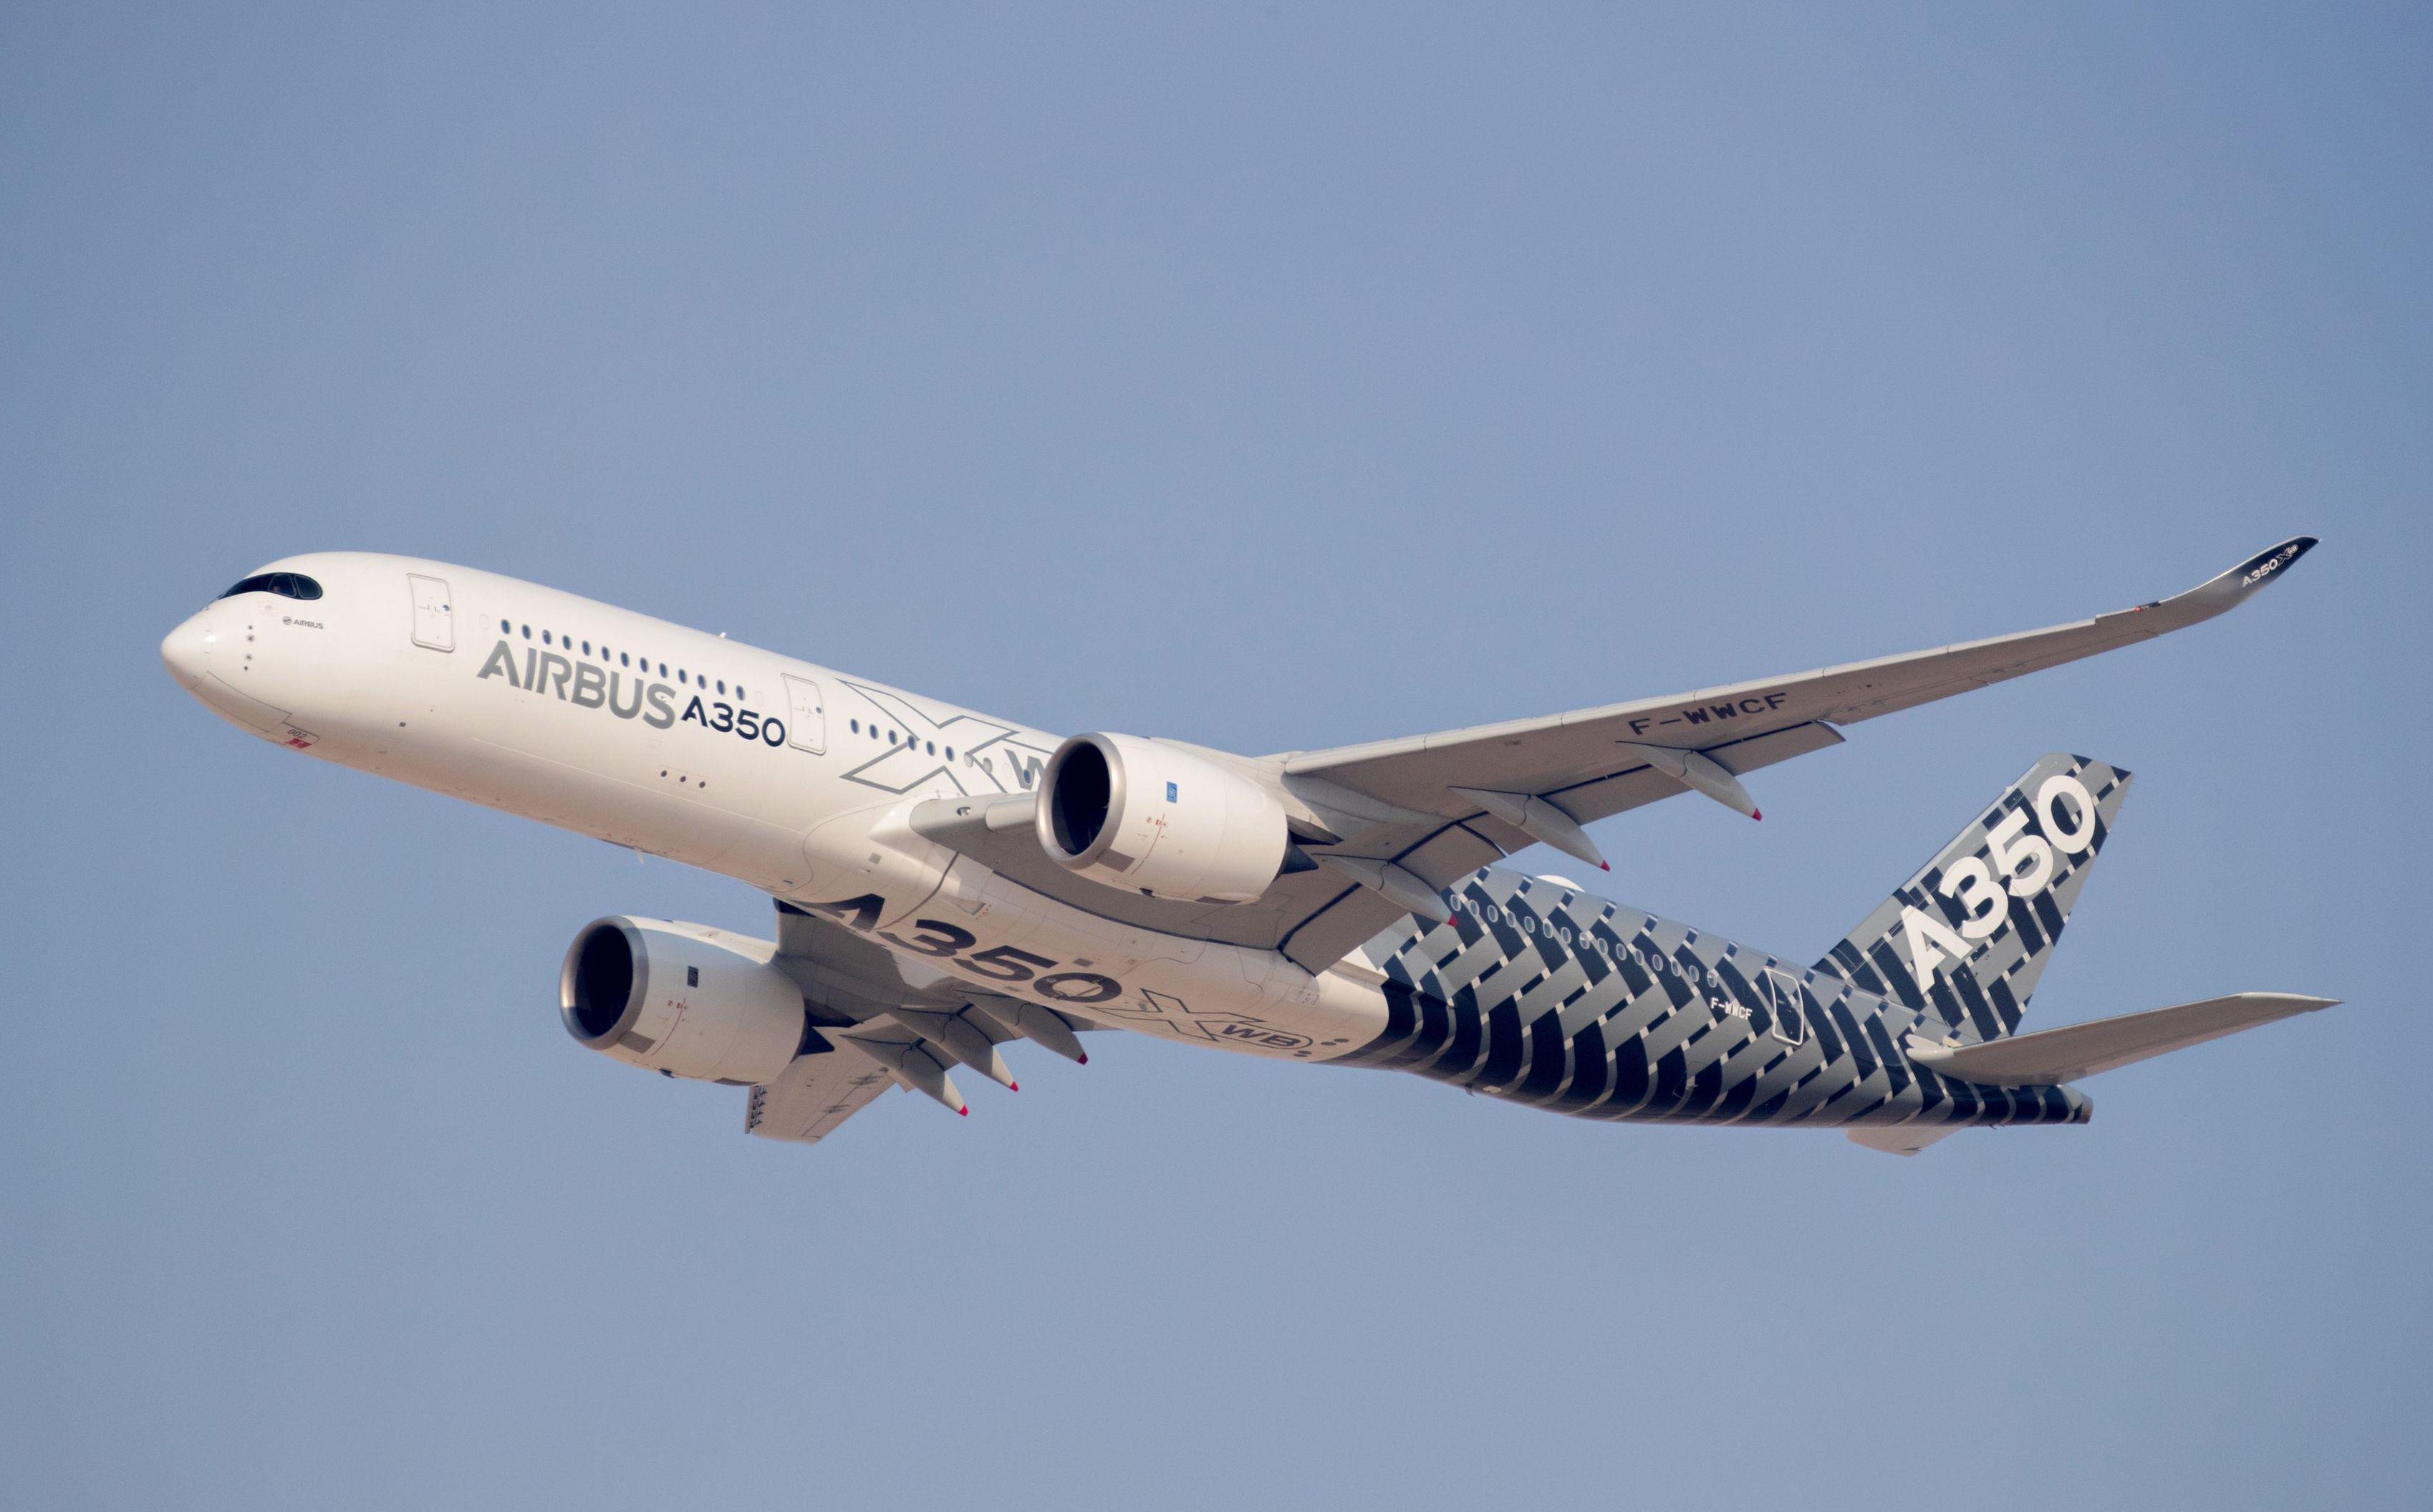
x=1966, y=938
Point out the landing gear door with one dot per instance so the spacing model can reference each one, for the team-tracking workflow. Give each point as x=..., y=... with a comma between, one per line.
x=807, y=716
x=435, y=619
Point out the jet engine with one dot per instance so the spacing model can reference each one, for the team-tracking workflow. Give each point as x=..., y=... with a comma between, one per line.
x=682, y=998
x=1154, y=819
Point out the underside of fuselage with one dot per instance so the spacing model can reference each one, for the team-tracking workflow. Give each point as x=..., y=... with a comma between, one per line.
x=1537, y=993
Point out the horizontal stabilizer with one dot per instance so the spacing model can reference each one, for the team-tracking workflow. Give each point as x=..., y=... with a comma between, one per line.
x=2076, y=1050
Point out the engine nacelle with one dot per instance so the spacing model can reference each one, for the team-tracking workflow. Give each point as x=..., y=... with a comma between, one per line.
x=1156, y=820
x=682, y=998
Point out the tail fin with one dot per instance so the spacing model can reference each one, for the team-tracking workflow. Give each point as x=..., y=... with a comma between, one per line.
x=1966, y=939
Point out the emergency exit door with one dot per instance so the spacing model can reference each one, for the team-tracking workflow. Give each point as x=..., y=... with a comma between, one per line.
x=1782, y=996
x=434, y=613
x=807, y=715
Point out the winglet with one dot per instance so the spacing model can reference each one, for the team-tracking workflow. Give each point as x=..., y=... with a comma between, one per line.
x=2228, y=590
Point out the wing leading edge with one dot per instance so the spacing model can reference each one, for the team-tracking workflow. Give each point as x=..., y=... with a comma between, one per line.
x=1439, y=800
x=1565, y=754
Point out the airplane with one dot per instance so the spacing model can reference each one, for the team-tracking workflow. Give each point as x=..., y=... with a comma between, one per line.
x=946, y=882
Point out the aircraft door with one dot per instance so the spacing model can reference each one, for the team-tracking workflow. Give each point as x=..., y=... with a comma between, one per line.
x=1782, y=996
x=807, y=716
x=434, y=622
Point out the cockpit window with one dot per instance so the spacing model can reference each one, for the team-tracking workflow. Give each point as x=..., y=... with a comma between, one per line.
x=286, y=585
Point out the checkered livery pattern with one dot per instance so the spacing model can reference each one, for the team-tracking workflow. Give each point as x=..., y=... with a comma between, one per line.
x=1984, y=1001
x=1538, y=993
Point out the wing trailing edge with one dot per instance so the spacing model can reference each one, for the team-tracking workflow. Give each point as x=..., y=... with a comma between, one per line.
x=1569, y=757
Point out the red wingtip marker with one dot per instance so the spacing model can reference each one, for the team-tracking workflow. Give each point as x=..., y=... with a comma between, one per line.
x=1085, y=1057
x=1604, y=866
x=1755, y=814
x=1013, y=1086
x=962, y=1112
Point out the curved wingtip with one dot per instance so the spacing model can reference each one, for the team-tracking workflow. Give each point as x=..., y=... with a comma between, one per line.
x=2227, y=591
x=2300, y=1002
x=2252, y=573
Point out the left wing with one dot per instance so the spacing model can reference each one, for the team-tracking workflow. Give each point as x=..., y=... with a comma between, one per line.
x=1434, y=808
x=1583, y=758
x=1390, y=823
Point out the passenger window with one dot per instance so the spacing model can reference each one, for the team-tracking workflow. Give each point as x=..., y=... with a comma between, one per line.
x=857, y=726
x=586, y=648
x=680, y=675
x=721, y=685
x=505, y=629
x=544, y=637
x=624, y=660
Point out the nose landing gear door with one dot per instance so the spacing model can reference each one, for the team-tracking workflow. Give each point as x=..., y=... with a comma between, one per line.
x=434, y=622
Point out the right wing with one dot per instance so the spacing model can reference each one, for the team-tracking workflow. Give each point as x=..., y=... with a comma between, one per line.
x=814, y=1094
x=879, y=1021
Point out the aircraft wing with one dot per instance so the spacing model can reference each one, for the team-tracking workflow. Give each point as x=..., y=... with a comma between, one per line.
x=812, y=1095
x=879, y=1021
x=1441, y=806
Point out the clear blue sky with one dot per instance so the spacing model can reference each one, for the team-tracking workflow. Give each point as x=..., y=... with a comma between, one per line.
x=1264, y=378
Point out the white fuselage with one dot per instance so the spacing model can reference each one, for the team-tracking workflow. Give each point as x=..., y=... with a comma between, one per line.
x=792, y=777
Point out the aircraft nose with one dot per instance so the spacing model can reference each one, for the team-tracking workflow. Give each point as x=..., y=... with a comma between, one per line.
x=187, y=651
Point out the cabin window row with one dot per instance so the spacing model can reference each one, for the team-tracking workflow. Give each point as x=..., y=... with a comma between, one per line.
x=622, y=659
x=893, y=739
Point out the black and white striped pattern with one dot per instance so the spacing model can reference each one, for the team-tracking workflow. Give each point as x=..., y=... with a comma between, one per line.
x=1540, y=994
x=1985, y=1001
